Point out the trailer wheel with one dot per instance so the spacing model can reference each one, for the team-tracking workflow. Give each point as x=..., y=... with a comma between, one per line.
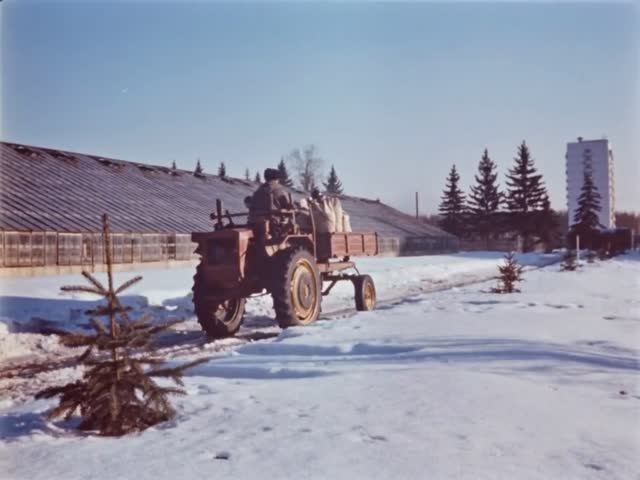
x=217, y=319
x=296, y=288
x=365, y=293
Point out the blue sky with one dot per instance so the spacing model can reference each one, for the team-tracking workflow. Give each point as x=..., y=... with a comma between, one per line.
x=392, y=94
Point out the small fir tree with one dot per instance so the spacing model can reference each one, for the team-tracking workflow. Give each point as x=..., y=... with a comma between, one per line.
x=452, y=208
x=117, y=394
x=585, y=221
x=247, y=175
x=525, y=194
x=198, y=172
x=569, y=262
x=333, y=185
x=257, y=178
x=174, y=168
x=510, y=274
x=285, y=179
x=484, y=200
x=222, y=170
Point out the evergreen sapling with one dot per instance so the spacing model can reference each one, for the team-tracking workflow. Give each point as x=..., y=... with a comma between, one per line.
x=569, y=262
x=510, y=274
x=117, y=394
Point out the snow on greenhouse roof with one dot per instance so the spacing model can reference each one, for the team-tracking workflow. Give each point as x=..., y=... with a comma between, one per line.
x=53, y=190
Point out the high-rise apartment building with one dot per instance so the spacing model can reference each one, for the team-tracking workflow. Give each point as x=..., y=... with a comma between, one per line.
x=596, y=157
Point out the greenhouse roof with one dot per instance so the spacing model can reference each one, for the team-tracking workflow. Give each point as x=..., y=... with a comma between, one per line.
x=43, y=189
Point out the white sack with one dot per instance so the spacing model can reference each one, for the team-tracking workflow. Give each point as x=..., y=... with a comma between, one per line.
x=346, y=223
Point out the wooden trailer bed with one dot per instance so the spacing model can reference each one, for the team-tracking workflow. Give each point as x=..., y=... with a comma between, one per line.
x=353, y=244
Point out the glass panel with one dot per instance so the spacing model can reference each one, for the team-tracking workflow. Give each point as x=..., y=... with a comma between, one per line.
x=12, y=243
x=37, y=249
x=24, y=250
x=69, y=249
x=127, y=250
x=136, y=247
x=51, y=248
x=87, y=249
x=116, y=245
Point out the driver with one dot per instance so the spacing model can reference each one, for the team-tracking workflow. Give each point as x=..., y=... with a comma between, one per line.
x=269, y=196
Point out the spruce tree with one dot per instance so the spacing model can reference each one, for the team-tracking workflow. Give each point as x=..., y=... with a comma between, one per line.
x=569, y=262
x=484, y=200
x=510, y=273
x=285, y=179
x=585, y=220
x=198, y=172
x=257, y=178
x=525, y=194
x=333, y=185
x=117, y=393
x=247, y=175
x=222, y=170
x=452, y=207
x=174, y=168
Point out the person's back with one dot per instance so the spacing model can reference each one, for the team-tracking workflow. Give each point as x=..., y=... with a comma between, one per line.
x=269, y=196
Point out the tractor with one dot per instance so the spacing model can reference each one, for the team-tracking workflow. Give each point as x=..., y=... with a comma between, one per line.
x=280, y=254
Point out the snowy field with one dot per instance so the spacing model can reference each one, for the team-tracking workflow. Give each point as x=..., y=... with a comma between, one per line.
x=443, y=381
x=35, y=305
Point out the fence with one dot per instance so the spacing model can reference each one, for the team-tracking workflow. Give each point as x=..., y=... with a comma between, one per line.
x=39, y=249
x=417, y=245
x=429, y=245
x=495, y=244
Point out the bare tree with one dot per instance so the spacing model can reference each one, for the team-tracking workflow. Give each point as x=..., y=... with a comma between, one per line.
x=307, y=165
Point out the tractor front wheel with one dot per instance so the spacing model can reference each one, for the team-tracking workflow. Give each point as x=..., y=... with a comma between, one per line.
x=217, y=319
x=296, y=288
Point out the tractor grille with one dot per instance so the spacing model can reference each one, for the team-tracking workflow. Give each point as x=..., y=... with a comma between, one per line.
x=222, y=252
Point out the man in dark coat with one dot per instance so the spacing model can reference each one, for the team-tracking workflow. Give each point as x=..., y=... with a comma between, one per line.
x=269, y=196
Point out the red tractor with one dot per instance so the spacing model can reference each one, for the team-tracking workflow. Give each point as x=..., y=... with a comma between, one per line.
x=281, y=254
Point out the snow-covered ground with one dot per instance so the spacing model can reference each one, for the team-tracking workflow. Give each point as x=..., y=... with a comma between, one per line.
x=34, y=305
x=436, y=383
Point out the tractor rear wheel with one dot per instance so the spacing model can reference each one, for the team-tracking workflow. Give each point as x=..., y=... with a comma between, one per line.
x=296, y=288
x=365, y=293
x=217, y=319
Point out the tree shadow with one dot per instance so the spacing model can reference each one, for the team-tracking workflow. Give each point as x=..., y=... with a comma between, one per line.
x=16, y=425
